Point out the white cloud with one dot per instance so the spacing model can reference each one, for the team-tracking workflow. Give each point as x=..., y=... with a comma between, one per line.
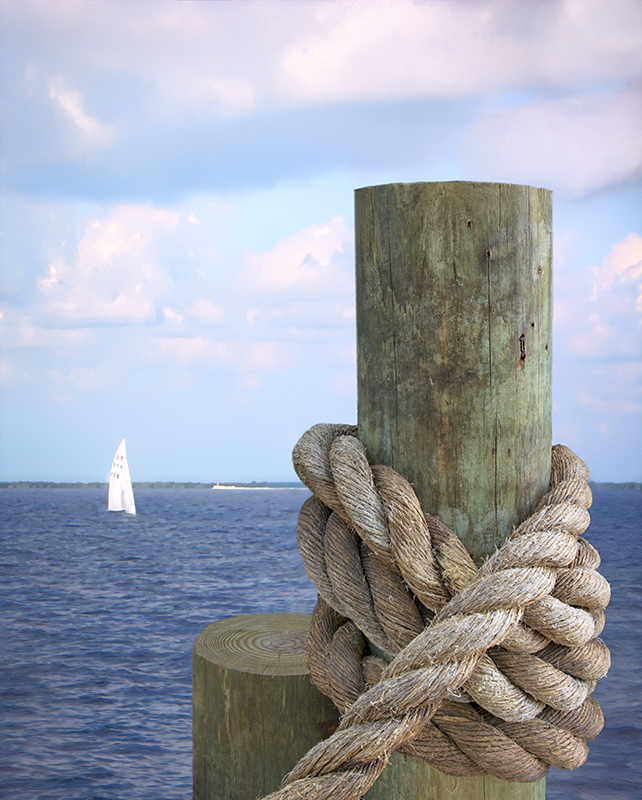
x=249, y=357
x=173, y=318
x=617, y=404
x=600, y=340
x=206, y=312
x=597, y=365
x=229, y=57
x=355, y=49
x=154, y=79
x=19, y=331
x=191, y=63
x=622, y=263
x=618, y=373
x=187, y=56
x=575, y=144
x=115, y=275
x=605, y=325
x=311, y=319
x=115, y=272
x=230, y=97
x=302, y=290
x=307, y=264
x=598, y=309
x=93, y=134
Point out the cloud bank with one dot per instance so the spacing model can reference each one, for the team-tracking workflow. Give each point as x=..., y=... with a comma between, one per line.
x=197, y=96
x=177, y=184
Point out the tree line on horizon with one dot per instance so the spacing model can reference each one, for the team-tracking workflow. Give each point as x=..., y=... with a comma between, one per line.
x=149, y=485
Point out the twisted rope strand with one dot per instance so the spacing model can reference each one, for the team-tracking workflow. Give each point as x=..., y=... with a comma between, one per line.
x=516, y=636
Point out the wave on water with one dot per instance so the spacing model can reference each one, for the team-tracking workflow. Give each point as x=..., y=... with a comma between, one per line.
x=101, y=611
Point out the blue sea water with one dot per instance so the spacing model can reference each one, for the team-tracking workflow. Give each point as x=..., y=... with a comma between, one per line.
x=100, y=611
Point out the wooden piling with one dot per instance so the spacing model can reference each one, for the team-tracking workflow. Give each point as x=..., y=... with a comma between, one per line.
x=454, y=376
x=255, y=710
x=454, y=385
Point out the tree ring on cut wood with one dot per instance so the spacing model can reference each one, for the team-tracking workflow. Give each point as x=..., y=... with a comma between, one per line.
x=264, y=644
x=281, y=642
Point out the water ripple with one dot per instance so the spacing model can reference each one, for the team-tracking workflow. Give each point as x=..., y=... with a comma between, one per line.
x=100, y=612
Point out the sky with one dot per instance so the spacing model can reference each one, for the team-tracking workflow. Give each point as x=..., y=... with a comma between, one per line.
x=177, y=246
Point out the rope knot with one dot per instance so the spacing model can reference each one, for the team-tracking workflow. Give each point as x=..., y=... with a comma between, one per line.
x=476, y=670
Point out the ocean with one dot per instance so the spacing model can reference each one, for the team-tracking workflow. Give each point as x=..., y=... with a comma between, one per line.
x=100, y=612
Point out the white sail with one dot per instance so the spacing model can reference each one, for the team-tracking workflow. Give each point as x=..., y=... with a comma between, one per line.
x=121, y=494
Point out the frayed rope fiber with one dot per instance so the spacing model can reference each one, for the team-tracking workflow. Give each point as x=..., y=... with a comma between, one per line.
x=477, y=670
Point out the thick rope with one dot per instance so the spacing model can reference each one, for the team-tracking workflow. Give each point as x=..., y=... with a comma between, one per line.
x=483, y=670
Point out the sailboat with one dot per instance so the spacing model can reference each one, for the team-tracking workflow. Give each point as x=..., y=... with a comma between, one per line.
x=121, y=494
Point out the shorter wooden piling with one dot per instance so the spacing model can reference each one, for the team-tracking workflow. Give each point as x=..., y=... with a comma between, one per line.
x=255, y=710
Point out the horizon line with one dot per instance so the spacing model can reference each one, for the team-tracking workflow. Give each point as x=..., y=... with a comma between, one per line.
x=27, y=484
x=148, y=484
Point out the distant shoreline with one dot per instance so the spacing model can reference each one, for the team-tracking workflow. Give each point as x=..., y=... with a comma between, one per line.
x=153, y=485
x=252, y=485
x=630, y=485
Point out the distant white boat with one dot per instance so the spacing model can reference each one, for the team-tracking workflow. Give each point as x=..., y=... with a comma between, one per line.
x=252, y=488
x=121, y=494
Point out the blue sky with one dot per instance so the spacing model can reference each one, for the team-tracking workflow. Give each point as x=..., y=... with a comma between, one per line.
x=177, y=213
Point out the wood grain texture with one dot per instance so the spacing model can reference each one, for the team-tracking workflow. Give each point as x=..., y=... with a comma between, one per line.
x=406, y=778
x=255, y=711
x=454, y=377
x=454, y=347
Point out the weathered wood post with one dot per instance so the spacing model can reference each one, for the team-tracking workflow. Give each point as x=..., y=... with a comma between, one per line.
x=255, y=711
x=454, y=377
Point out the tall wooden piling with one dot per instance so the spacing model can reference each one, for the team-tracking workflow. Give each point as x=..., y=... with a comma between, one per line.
x=454, y=376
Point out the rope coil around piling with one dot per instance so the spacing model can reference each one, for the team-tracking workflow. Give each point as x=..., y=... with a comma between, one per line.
x=480, y=670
